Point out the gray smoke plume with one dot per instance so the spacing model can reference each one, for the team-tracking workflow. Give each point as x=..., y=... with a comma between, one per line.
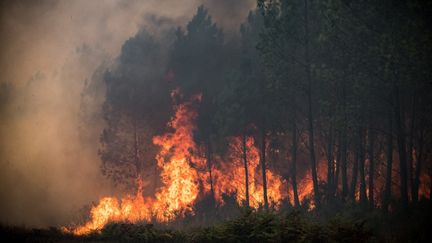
x=50, y=51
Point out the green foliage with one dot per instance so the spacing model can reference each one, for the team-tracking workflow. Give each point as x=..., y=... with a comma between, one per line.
x=291, y=227
x=139, y=232
x=347, y=231
x=349, y=224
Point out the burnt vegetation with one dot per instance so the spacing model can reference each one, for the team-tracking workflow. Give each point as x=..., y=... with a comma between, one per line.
x=333, y=97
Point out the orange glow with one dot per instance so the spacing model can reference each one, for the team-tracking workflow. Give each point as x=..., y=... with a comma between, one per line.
x=424, y=187
x=305, y=185
x=178, y=153
x=231, y=178
x=131, y=208
x=186, y=179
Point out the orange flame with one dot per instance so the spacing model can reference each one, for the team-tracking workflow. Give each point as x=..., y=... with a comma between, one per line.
x=231, y=179
x=180, y=181
x=177, y=153
x=305, y=187
x=131, y=208
x=185, y=178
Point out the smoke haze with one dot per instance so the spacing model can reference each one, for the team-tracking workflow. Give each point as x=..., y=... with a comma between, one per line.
x=49, y=170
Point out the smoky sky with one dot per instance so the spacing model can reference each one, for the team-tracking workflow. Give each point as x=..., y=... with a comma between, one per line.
x=48, y=51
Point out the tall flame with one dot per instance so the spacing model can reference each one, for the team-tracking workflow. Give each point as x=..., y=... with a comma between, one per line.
x=180, y=181
x=177, y=154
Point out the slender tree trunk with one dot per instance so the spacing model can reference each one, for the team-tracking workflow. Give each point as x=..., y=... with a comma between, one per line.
x=263, y=167
x=209, y=166
x=136, y=148
x=294, y=163
x=338, y=166
x=371, y=138
x=430, y=186
x=245, y=163
x=344, y=147
x=362, y=158
x=388, y=181
x=411, y=147
x=400, y=128
x=310, y=113
x=419, y=164
x=330, y=162
x=416, y=182
x=344, y=166
x=355, y=170
x=358, y=168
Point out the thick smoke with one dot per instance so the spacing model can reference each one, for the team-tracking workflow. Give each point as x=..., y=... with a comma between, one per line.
x=50, y=51
x=229, y=13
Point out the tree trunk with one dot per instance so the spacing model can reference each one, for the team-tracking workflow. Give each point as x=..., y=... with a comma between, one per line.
x=344, y=165
x=209, y=166
x=416, y=182
x=344, y=146
x=330, y=162
x=294, y=163
x=310, y=114
x=411, y=147
x=362, y=158
x=338, y=166
x=430, y=186
x=136, y=148
x=245, y=163
x=263, y=167
x=371, y=138
x=400, y=129
x=355, y=168
x=354, y=173
x=388, y=181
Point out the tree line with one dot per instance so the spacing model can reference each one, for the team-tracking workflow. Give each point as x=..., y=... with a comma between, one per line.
x=345, y=83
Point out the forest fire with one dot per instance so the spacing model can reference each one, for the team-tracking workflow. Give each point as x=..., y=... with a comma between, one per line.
x=305, y=190
x=183, y=175
x=110, y=209
x=176, y=157
x=231, y=179
x=206, y=121
x=180, y=181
